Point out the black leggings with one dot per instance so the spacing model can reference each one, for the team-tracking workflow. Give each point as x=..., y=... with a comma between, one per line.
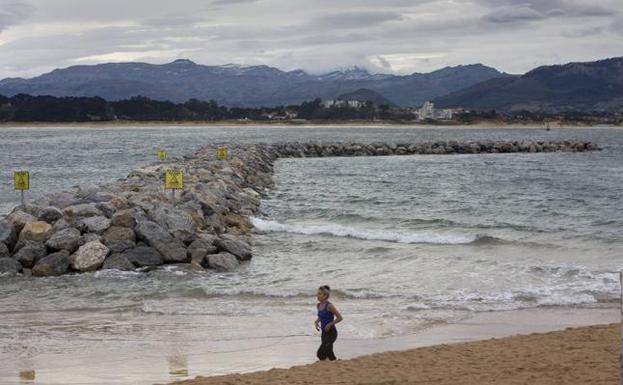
x=326, y=347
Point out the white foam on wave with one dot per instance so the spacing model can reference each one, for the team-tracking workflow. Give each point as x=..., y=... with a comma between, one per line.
x=336, y=230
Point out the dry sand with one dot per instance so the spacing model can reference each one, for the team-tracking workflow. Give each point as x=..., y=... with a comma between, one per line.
x=585, y=355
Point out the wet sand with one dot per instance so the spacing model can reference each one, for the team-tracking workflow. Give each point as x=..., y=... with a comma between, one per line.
x=482, y=326
x=587, y=355
x=124, y=359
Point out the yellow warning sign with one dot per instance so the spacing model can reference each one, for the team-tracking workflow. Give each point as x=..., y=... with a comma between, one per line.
x=21, y=180
x=174, y=179
x=162, y=154
x=222, y=153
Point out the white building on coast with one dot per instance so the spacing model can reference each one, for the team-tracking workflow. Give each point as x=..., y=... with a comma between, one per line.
x=428, y=111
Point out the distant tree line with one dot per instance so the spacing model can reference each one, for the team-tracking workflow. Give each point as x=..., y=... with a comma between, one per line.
x=27, y=108
x=525, y=116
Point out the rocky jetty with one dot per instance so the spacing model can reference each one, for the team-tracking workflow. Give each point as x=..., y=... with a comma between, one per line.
x=134, y=223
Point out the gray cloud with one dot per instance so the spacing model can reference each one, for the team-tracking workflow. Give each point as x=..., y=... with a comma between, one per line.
x=513, y=14
x=231, y=2
x=13, y=13
x=402, y=36
x=356, y=19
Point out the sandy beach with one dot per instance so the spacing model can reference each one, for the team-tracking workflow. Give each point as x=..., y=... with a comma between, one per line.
x=585, y=355
x=125, y=124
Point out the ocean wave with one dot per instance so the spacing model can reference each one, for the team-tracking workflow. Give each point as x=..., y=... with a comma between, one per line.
x=336, y=230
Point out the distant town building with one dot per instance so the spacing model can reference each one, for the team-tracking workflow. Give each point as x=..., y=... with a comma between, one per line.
x=428, y=111
x=343, y=103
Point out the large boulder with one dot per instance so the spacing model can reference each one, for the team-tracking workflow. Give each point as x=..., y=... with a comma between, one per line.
x=9, y=266
x=52, y=265
x=4, y=251
x=107, y=208
x=143, y=256
x=19, y=218
x=8, y=234
x=82, y=210
x=89, y=237
x=118, y=262
x=60, y=225
x=234, y=246
x=116, y=233
x=119, y=239
x=50, y=214
x=94, y=224
x=89, y=256
x=36, y=231
x=29, y=253
x=66, y=239
x=124, y=218
x=176, y=222
x=172, y=250
x=222, y=261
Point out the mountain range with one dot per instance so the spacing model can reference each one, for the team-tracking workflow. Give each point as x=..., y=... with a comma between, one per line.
x=589, y=86
x=248, y=86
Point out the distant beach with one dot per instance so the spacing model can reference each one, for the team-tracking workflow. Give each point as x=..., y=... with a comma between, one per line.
x=302, y=124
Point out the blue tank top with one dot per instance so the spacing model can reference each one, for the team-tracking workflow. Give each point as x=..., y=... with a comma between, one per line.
x=325, y=316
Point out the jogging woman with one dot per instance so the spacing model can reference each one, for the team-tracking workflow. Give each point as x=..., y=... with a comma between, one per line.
x=328, y=316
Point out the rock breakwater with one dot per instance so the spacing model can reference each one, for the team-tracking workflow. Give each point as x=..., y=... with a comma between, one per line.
x=134, y=224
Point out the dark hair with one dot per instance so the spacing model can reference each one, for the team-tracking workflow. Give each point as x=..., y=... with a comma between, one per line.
x=325, y=287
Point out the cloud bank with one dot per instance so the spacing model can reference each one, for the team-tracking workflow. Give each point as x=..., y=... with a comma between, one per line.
x=393, y=36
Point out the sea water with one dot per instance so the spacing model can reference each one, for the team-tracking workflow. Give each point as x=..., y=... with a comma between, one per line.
x=405, y=242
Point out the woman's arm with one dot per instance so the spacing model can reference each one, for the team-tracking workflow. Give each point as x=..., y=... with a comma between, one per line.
x=338, y=317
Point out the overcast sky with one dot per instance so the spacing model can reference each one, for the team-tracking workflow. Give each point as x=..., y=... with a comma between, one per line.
x=389, y=36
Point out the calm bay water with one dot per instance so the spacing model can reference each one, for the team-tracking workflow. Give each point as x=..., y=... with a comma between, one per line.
x=406, y=242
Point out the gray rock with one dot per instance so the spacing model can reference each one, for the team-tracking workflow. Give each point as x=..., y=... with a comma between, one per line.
x=50, y=214
x=9, y=266
x=204, y=244
x=239, y=248
x=124, y=218
x=8, y=235
x=120, y=246
x=171, y=249
x=116, y=233
x=30, y=253
x=66, y=239
x=197, y=256
x=4, y=251
x=222, y=261
x=82, y=210
x=143, y=256
x=52, y=265
x=94, y=224
x=89, y=256
x=176, y=222
x=61, y=224
x=107, y=208
x=19, y=218
x=118, y=262
x=89, y=237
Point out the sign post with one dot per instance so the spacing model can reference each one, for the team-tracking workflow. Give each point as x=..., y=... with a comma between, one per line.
x=222, y=153
x=21, y=181
x=173, y=180
x=162, y=155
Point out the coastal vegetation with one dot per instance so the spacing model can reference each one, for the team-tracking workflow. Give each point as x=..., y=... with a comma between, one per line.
x=28, y=108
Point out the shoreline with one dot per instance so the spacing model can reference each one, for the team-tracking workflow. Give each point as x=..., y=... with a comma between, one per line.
x=179, y=358
x=466, y=336
x=277, y=124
